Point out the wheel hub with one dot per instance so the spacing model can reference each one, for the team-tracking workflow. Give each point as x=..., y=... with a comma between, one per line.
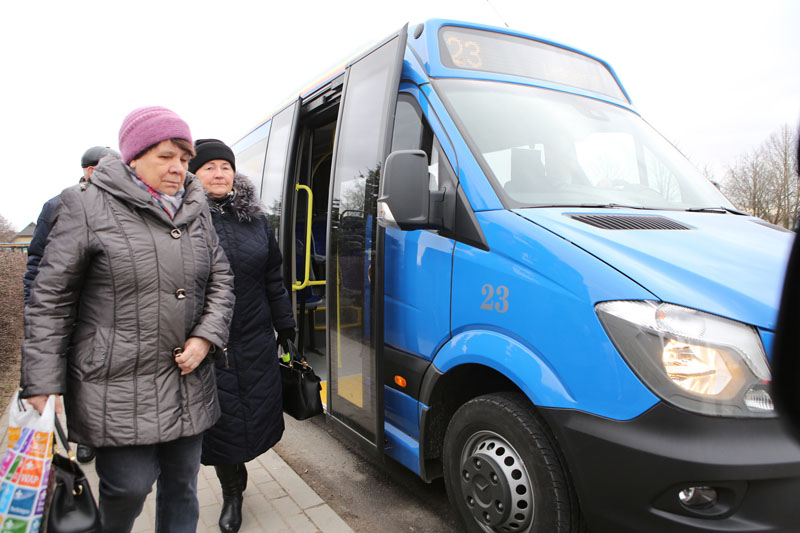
x=495, y=484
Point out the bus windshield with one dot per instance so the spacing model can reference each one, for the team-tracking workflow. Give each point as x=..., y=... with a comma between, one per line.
x=549, y=148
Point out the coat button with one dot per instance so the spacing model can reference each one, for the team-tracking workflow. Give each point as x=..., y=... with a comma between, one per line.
x=180, y=294
x=176, y=233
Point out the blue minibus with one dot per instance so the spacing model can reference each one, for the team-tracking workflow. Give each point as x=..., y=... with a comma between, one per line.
x=508, y=279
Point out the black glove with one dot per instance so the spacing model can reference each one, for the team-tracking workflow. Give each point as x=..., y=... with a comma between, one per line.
x=285, y=335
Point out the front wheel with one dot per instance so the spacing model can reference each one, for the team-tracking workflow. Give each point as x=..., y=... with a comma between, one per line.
x=502, y=471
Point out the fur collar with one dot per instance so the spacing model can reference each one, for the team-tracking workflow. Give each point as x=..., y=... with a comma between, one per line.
x=242, y=200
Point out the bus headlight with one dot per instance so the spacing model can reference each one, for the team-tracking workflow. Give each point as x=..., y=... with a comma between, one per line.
x=697, y=361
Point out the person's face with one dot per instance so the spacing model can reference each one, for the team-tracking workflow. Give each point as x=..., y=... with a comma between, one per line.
x=163, y=167
x=216, y=177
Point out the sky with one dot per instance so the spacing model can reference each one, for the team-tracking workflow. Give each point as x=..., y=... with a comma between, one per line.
x=716, y=77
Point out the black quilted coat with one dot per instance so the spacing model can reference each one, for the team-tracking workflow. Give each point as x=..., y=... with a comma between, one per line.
x=249, y=387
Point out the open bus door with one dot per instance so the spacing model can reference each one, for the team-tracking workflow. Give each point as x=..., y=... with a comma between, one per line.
x=354, y=257
x=279, y=169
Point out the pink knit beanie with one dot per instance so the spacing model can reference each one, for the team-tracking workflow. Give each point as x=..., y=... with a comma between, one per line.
x=146, y=126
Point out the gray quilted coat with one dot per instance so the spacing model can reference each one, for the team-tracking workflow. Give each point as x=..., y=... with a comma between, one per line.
x=120, y=286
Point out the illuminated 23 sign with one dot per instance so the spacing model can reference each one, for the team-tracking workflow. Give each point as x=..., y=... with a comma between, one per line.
x=465, y=54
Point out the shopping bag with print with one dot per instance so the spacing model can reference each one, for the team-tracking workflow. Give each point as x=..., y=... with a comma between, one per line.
x=25, y=468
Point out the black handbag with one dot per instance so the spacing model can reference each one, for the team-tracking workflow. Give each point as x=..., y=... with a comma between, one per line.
x=301, y=386
x=71, y=507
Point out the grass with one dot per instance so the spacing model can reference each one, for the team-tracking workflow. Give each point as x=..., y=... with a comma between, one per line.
x=12, y=267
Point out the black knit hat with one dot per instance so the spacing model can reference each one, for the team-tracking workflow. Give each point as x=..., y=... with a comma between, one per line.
x=93, y=155
x=209, y=150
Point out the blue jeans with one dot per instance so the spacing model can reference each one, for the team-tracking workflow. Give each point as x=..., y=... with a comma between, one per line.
x=127, y=474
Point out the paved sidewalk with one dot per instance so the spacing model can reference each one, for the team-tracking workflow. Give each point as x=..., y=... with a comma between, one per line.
x=277, y=500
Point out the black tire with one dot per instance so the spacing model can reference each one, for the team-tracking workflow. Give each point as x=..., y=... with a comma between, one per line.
x=502, y=470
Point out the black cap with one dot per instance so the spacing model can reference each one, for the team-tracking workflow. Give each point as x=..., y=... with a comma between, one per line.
x=209, y=150
x=93, y=155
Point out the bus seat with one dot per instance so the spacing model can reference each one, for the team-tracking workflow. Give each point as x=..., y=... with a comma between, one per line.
x=527, y=172
x=318, y=230
x=310, y=295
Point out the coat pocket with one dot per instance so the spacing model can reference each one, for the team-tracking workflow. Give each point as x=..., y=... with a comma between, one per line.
x=209, y=381
x=202, y=384
x=92, y=358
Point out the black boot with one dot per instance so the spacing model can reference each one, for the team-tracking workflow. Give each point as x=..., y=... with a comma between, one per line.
x=85, y=453
x=233, y=479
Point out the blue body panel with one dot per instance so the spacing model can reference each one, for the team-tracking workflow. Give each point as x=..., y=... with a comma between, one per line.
x=417, y=291
x=402, y=411
x=412, y=70
x=401, y=428
x=401, y=447
x=547, y=339
x=766, y=339
x=728, y=265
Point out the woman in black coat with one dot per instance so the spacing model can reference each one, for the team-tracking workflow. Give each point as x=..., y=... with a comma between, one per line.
x=248, y=379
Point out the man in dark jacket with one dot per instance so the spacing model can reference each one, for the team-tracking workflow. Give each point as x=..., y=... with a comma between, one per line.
x=89, y=160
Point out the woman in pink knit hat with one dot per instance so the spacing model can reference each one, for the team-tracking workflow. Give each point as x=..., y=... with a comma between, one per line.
x=133, y=300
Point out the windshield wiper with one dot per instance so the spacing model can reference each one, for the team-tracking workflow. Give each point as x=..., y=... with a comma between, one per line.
x=597, y=206
x=719, y=209
x=615, y=206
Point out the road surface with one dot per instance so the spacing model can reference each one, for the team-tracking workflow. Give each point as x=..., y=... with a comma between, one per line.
x=367, y=495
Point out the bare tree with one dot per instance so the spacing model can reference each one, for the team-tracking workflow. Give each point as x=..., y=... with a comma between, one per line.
x=746, y=184
x=763, y=182
x=7, y=231
x=780, y=160
x=663, y=180
x=708, y=173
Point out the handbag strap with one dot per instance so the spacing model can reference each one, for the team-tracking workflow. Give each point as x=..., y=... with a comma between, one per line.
x=64, y=442
x=296, y=357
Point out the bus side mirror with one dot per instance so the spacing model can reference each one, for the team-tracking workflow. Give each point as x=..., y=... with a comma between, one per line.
x=405, y=200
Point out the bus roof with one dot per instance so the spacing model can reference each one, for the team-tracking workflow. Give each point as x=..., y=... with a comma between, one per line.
x=436, y=54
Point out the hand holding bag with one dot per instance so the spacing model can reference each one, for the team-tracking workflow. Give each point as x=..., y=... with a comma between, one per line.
x=72, y=508
x=301, y=386
x=25, y=469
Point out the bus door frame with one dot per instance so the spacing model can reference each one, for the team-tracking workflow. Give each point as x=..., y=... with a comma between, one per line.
x=288, y=196
x=374, y=444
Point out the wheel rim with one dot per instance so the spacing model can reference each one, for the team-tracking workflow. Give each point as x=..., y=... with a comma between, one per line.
x=495, y=484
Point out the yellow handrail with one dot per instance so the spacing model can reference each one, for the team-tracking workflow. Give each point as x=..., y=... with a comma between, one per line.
x=297, y=286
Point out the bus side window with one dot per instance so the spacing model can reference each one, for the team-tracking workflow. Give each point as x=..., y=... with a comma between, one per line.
x=412, y=132
x=250, y=153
